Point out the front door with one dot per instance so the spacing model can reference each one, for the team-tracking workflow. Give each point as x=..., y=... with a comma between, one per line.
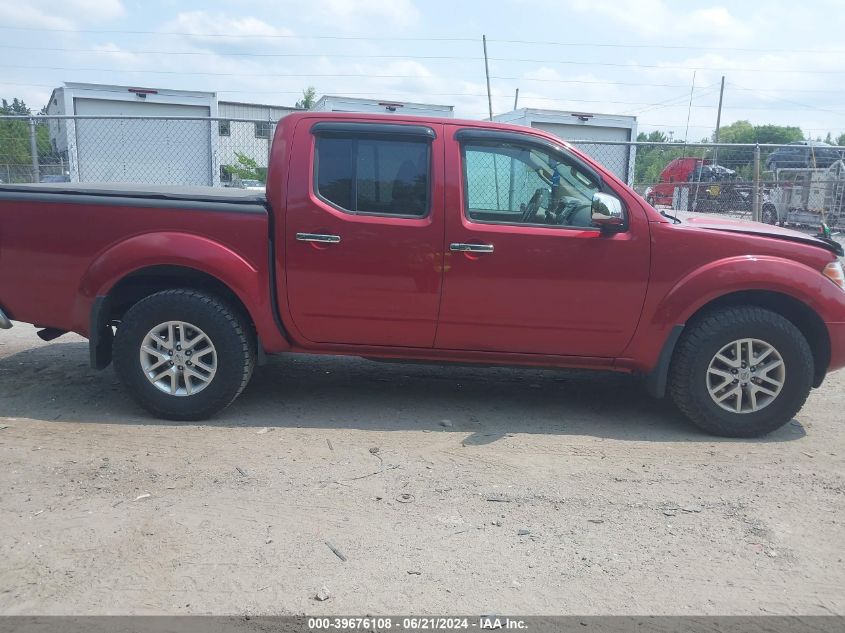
x=526, y=272
x=364, y=232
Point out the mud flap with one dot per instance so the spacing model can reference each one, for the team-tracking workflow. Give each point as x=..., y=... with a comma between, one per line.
x=101, y=336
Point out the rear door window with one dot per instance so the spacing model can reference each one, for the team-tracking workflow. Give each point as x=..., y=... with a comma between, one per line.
x=374, y=176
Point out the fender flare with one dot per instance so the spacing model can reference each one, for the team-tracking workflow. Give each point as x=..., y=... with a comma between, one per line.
x=727, y=276
x=247, y=281
x=716, y=280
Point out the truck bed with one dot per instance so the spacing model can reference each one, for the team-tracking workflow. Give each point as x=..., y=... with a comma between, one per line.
x=61, y=244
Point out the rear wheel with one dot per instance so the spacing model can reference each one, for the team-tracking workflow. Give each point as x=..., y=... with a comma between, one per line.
x=741, y=372
x=184, y=354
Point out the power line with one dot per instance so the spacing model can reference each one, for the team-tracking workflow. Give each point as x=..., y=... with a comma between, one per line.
x=211, y=74
x=509, y=60
x=804, y=105
x=674, y=101
x=590, y=82
x=293, y=36
x=666, y=46
x=101, y=51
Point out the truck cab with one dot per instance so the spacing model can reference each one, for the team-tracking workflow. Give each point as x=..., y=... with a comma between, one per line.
x=678, y=172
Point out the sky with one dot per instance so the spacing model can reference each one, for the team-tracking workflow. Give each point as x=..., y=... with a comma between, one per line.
x=659, y=60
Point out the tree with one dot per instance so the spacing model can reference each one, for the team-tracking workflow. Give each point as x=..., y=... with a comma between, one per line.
x=15, y=146
x=651, y=159
x=840, y=140
x=246, y=169
x=742, y=159
x=17, y=107
x=309, y=98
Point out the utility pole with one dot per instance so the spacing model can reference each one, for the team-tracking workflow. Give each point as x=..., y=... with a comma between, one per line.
x=516, y=99
x=756, y=193
x=33, y=148
x=487, y=74
x=718, y=123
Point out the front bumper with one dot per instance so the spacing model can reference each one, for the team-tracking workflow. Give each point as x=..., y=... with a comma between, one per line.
x=5, y=323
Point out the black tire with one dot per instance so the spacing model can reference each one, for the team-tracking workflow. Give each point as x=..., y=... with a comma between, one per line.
x=229, y=332
x=770, y=214
x=704, y=338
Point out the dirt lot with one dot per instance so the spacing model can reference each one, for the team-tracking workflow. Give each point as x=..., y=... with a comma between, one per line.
x=447, y=490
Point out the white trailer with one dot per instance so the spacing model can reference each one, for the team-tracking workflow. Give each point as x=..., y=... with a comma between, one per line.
x=101, y=149
x=606, y=137
x=807, y=196
x=334, y=103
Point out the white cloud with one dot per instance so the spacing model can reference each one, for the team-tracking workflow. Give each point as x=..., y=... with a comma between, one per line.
x=354, y=13
x=28, y=16
x=655, y=18
x=69, y=14
x=205, y=23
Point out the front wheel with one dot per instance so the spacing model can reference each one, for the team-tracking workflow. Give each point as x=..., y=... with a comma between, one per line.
x=741, y=372
x=184, y=354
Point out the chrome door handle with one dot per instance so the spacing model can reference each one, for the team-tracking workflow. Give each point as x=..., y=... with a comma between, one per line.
x=470, y=248
x=318, y=237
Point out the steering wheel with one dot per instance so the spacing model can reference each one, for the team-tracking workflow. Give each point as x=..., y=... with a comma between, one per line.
x=572, y=207
x=533, y=206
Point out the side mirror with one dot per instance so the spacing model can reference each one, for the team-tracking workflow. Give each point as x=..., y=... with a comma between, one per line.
x=607, y=212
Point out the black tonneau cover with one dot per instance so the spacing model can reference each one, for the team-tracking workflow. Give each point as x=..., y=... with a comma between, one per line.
x=168, y=196
x=164, y=192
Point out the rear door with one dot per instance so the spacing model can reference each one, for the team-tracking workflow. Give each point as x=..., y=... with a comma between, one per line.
x=364, y=232
x=526, y=272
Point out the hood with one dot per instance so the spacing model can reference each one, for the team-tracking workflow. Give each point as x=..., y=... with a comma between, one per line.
x=765, y=230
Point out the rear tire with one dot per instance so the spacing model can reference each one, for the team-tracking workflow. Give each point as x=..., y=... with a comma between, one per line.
x=770, y=214
x=704, y=357
x=169, y=388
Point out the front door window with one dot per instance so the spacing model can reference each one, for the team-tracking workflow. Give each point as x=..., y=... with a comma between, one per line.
x=523, y=184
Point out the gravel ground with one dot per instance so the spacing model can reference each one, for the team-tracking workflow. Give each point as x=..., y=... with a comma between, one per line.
x=449, y=490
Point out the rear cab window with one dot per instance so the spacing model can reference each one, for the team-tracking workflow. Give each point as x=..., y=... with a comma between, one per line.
x=374, y=174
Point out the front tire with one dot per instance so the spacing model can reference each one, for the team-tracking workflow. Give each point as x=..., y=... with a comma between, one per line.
x=741, y=372
x=184, y=354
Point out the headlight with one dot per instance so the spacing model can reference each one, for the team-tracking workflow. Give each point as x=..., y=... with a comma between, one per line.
x=834, y=272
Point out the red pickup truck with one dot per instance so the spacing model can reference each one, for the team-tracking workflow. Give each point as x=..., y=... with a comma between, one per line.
x=394, y=237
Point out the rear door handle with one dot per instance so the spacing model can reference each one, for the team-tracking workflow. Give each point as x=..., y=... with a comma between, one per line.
x=470, y=248
x=321, y=238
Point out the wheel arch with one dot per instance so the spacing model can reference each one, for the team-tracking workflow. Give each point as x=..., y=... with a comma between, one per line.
x=801, y=315
x=144, y=264
x=145, y=281
x=108, y=308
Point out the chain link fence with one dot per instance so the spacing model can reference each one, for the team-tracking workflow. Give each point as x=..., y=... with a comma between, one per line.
x=788, y=184
x=140, y=150
x=796, y=184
